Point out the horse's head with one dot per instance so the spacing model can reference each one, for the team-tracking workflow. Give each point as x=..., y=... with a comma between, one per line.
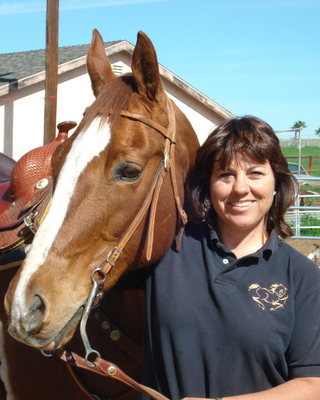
x=118, y=182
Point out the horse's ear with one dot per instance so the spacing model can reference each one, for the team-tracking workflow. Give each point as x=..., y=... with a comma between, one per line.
x=145, y=68
x=99, y=67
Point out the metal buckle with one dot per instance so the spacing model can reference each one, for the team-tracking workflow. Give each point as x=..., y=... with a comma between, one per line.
x=28, y=220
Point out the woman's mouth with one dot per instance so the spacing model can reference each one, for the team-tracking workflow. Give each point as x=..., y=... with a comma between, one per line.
x=241, y=203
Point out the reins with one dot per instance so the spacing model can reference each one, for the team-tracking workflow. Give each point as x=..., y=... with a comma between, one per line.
x=168, y=164
x=108, y=369
x=99, y=275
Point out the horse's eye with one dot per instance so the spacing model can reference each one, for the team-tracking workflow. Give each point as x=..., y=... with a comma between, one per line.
x=128, y=173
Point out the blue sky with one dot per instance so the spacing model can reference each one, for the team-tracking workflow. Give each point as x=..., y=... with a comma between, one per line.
x=259, y=57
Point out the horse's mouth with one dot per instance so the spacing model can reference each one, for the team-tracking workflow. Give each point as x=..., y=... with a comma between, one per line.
x=66, y=332
x=45, y=343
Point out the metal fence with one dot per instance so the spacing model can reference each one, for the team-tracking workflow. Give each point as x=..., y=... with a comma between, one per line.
x=295, y=215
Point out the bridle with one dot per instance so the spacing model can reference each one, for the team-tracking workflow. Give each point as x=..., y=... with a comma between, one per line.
x=166, y=165
x=99, y=275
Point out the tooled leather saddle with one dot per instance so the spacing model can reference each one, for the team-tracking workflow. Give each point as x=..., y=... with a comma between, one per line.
x=25, y=191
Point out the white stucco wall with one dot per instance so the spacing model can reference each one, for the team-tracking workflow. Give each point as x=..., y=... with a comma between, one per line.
x=22, y=111
x=22, y=115
x=74, y=96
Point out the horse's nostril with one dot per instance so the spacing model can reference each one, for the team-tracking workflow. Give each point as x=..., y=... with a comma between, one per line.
x=33, y=320
x=37, y=304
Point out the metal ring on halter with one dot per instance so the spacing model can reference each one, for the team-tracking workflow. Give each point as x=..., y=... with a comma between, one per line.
x=90, y=351
x=47, y=353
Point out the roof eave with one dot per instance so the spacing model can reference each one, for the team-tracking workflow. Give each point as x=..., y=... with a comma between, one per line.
x=186, y=87
x=65, y=67
x=110, y=50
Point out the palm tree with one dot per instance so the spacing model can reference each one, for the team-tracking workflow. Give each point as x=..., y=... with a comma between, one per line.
x=298, y=125
x=317, y=131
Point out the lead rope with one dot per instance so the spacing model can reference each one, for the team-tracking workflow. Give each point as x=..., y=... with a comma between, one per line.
x=106, y=368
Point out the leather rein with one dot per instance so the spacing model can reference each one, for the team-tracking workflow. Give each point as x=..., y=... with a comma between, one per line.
x=99, y=275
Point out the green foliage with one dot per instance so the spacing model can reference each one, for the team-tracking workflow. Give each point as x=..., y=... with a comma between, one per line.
x=305, y=151
x=299, y=124
x=309, y=220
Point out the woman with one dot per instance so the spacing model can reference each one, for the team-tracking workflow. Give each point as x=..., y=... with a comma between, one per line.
x=236, y=313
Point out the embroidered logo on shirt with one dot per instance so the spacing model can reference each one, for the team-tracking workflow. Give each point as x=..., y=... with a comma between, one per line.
x=272, y=298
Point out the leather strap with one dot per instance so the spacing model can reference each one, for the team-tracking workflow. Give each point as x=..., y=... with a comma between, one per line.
x=117, y=250
x=167, y=133
x=169, y=164
x=115, y=334
x=126, y=396
x=106, y=368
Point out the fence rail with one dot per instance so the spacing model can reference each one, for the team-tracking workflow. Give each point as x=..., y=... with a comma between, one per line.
x=311, y=159
x=296, y=212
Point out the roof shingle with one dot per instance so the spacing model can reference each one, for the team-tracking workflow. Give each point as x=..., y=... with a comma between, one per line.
x=15, y=66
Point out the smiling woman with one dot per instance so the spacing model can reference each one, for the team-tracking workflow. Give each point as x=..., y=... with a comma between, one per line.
x=252, y=153
x=254, y=313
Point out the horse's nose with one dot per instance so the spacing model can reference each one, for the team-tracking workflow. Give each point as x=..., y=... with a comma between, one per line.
x=33, y=318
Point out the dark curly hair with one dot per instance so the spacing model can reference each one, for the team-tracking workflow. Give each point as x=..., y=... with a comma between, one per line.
x=255, y=138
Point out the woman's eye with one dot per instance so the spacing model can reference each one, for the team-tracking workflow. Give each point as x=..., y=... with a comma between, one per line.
x=256, y=173
x=225, y=175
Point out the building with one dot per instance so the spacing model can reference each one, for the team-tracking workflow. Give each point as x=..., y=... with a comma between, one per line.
x=22, y=94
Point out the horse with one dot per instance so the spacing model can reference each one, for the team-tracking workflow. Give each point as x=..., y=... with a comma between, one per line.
x=117, y=204
x=25, y=372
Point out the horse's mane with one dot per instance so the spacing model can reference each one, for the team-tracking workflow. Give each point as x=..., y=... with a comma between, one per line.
x=111, y=100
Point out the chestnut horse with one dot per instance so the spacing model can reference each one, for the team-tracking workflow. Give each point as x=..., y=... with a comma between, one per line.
x=117, y=323
x=117, y=201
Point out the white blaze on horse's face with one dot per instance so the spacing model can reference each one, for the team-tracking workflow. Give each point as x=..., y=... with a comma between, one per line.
x=86, y=146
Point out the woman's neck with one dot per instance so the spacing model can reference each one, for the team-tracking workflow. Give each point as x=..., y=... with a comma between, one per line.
x=243, y=243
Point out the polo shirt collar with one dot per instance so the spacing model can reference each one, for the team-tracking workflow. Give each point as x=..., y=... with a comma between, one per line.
x=265, y=251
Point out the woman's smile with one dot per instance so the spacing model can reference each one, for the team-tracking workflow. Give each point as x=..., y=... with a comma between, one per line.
x=241, y=204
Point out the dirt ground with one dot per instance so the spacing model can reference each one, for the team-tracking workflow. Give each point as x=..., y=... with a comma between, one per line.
x=305, y=246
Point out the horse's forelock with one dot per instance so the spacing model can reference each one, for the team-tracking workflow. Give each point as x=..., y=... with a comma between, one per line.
x=113, y=98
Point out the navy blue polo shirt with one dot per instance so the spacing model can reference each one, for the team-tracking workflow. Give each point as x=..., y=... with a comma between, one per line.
x=221, y=326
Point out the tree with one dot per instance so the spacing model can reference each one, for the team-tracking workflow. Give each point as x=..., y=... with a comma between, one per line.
x=317, y=131
x=298, y=125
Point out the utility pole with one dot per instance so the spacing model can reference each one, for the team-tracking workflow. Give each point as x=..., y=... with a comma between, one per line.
x=51, y=81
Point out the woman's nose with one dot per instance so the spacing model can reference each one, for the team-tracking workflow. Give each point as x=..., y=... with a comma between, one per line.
x=241, y=185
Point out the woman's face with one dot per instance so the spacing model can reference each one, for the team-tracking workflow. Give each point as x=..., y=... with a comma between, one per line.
x=242, y=194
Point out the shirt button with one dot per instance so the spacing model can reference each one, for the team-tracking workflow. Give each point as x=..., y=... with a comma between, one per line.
x=225, y=261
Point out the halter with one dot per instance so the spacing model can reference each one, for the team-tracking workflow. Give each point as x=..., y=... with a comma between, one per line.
x=99, y=275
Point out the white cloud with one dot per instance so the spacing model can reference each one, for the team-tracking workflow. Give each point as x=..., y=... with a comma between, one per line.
x=23, y=7
x=271, y=4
